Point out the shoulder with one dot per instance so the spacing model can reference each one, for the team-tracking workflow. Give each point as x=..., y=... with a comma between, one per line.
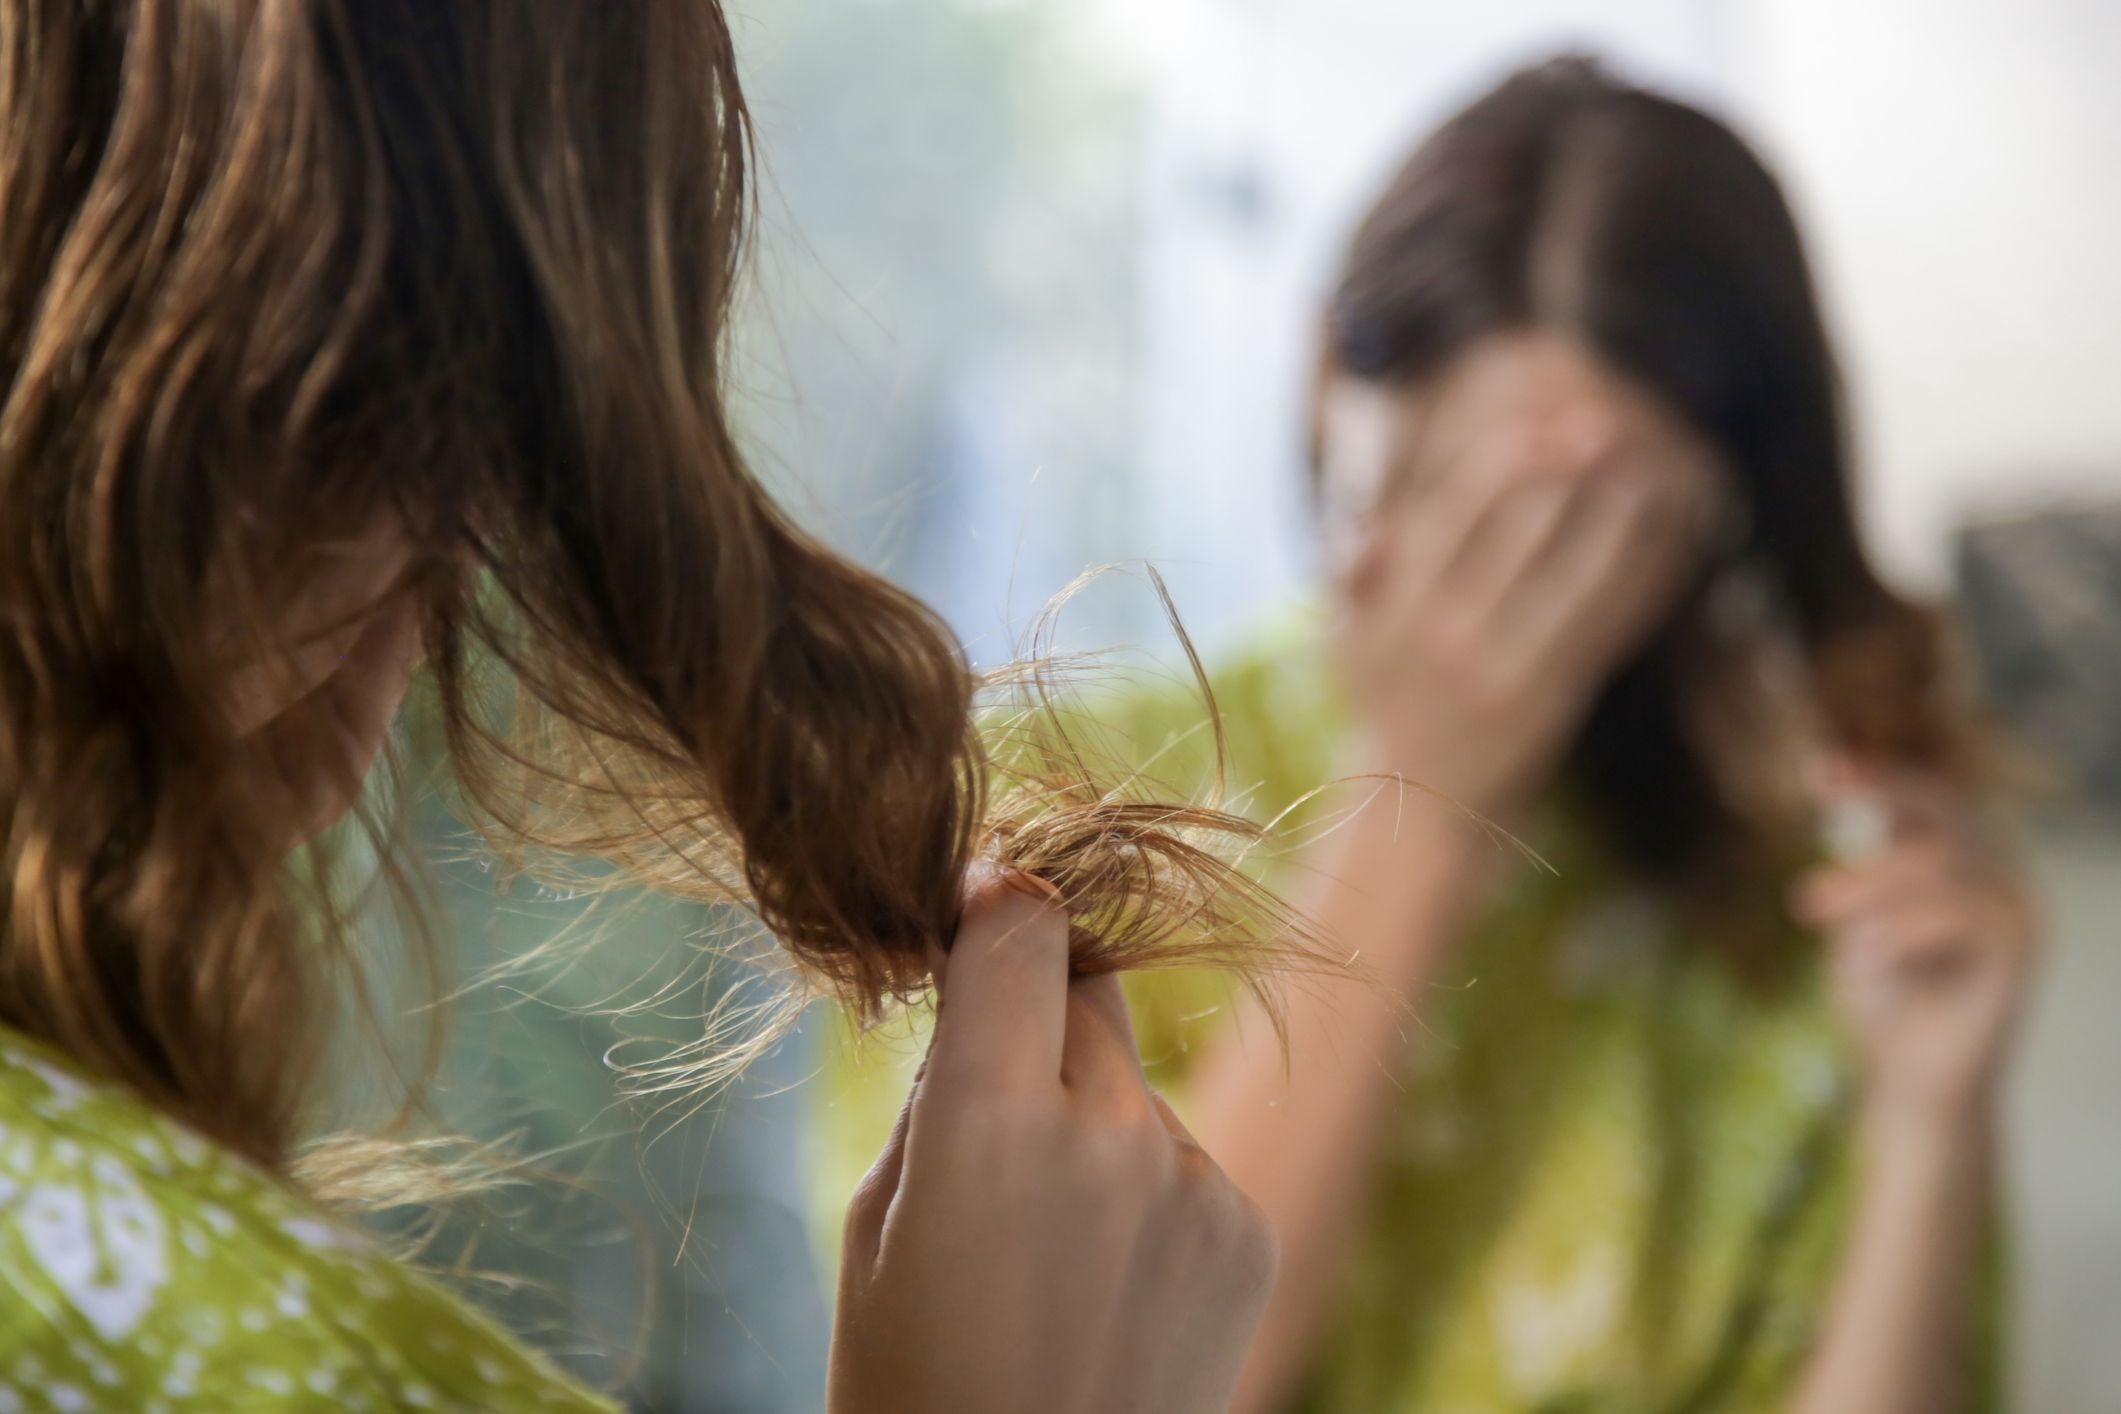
x=145, y=1268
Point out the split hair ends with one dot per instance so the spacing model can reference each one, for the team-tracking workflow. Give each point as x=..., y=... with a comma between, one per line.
x=276, y=272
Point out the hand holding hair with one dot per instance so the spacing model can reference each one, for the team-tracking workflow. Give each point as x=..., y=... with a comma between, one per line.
x=1931, y=940
x=1040, y=1233
x=1932, y=937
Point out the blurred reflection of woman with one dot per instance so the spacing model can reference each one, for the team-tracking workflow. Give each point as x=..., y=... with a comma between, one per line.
x=1694, y=1120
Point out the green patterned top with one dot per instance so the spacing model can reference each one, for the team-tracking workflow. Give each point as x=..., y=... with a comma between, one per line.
x=147, y=1270
x=1618, y=1175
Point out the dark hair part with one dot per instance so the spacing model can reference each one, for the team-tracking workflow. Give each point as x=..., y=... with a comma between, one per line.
x=1567, y=200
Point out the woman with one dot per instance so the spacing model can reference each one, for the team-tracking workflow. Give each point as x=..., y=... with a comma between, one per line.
x=316, y=314
x=1692, y=1119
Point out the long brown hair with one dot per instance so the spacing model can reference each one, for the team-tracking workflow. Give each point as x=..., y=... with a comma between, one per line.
x=275, y=272
x=1565, y=199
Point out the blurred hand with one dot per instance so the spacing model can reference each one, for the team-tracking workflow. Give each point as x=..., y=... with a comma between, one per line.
x=1488, y=598
x=1040, y=1234
x=1932, y=938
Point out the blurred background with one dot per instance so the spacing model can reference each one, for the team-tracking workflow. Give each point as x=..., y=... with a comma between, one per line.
x=1035, y=291
x=1032, y=264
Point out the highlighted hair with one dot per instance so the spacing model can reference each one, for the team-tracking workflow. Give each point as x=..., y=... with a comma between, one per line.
x=275, y=271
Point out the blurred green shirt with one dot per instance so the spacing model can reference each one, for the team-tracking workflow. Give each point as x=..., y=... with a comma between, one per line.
x=653, y=1251
x=145, y=1269
x=1619, y=1172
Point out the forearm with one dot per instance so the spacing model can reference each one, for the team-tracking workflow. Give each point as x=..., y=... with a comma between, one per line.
x=1894, y=1341
x=1300, y=1133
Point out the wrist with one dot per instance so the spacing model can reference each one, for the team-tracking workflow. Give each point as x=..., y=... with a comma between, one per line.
x=1414, y=828
x=1894, y=1128
x=1452, y=794
x=1396, y=880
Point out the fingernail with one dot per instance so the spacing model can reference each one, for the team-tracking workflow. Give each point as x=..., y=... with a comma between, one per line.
x=1033, y=884
x=982, y=871
x=1854, y=826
